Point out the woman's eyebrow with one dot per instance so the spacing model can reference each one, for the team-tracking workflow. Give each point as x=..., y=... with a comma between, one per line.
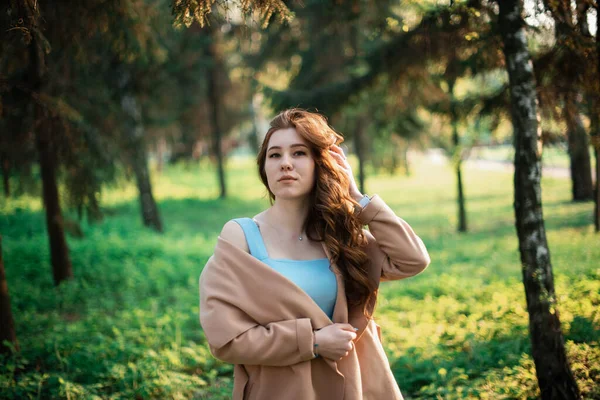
x=294, y=145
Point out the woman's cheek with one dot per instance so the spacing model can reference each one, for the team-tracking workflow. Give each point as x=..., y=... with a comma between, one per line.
x=271, y=179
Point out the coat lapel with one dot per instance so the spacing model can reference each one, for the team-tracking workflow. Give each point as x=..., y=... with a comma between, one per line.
x=340, y=311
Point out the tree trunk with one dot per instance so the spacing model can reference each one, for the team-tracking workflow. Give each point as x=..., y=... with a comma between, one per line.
x=553, y=372
x=94, y=213
x=133, y=137
x=571, y=66
x=596, y=141
x=185, y=148
x=253, y=137
x=394, y=161
x=462, y=215
x=594, y=104
x=6, y=177
x=460, y=200
x=150, y=214
x=61, y=263
x=59, y=252
x=582, y=7
x=596, y=131
x=7, y=324
x=139, y=160
x=359, y=149
x=161, y=148
x=405, y=159
x=215, y=112
x=579, y=154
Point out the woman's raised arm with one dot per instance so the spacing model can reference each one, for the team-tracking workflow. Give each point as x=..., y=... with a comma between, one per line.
x=393, y=245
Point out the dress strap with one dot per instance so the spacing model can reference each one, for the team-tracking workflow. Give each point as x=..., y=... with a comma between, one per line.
x=253, y=238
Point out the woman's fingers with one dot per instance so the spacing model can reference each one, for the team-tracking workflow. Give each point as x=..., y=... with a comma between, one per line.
x=347, y=327
x=337, y=156
x=339, y=150
x=337, y=153
x=349, y=331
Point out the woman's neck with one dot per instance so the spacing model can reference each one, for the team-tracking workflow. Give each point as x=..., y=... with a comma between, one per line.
x=289, y=215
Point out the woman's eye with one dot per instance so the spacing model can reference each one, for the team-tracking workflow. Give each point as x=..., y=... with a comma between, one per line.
x=300, y=153
x=273, y=155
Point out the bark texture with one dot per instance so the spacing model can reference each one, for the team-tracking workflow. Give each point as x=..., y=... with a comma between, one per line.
x=7, y=324
x=554, y=374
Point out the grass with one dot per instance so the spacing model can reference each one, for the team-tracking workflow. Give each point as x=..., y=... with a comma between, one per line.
x=552, y=155
x=127, y=326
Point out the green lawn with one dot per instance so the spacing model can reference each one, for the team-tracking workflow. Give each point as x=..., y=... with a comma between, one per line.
x=127, y=326
x=552, y=156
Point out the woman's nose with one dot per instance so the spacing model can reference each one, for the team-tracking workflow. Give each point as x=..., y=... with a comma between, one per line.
x=286, y=163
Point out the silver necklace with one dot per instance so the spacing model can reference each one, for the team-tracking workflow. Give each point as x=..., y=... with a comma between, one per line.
x=299, y=237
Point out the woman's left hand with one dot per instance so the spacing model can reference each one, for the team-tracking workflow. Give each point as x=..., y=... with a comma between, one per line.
x=338, y=155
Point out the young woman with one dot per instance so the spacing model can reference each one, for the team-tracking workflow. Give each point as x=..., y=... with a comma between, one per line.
x=288, y=295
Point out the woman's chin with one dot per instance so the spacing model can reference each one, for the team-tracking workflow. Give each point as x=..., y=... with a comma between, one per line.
x=290, y=195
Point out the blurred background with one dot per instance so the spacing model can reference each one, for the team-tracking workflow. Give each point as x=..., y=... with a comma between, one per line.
x=128, y=136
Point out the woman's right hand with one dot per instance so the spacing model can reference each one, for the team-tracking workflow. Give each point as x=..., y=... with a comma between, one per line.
x=335, y=341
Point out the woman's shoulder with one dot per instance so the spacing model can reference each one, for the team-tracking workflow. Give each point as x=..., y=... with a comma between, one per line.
x=234, y=234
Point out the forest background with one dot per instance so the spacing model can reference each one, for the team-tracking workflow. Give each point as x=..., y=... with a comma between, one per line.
x=128, y=131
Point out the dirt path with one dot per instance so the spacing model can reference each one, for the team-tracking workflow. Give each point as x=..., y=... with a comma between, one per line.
x=437, y=156
x=489, y=165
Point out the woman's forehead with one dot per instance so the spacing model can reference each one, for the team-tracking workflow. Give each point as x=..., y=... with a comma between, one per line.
x=286, y=138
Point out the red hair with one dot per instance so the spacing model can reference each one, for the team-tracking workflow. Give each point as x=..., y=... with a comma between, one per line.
x=331, y=217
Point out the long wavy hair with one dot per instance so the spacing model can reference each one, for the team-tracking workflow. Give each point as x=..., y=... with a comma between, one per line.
x=331, y=218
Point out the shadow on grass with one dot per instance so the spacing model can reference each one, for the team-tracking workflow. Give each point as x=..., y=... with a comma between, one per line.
x=472, y=359
x=212, y=214
x=23, y=223
x=583, y=330
x=118, y=256
x=207, y=216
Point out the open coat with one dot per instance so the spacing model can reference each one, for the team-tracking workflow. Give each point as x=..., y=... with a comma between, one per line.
x=258, y=320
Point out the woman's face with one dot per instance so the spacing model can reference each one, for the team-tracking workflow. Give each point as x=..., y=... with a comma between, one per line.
x=289, y=166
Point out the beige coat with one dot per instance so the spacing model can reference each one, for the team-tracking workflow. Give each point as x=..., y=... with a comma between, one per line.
x=260, y=321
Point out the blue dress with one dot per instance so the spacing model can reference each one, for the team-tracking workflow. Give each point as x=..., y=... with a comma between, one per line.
x=313, y=276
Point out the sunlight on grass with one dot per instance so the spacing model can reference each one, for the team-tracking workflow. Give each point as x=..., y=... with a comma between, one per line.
x=127, y=326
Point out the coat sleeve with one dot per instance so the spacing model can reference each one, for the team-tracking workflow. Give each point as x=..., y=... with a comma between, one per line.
x=277, y=344
x=393, y=245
